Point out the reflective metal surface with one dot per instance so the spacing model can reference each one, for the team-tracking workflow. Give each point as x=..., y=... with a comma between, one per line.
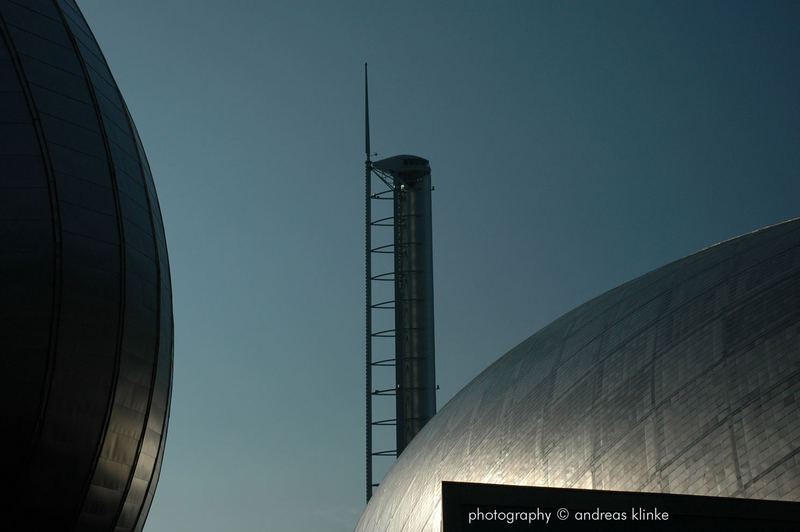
x=685, y=380
x=413, y=281
x=85, y=293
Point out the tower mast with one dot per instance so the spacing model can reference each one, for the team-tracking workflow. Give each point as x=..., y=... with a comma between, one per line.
x=368, y=254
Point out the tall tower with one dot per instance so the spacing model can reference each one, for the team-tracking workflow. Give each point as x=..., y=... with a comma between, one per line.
x=406, y=181
x=413, y=289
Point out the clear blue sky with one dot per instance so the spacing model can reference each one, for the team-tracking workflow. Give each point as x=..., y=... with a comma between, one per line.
x=574, y=145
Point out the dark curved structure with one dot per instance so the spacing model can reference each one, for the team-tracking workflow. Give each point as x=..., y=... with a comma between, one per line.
x=683, y=381
x=85, y=300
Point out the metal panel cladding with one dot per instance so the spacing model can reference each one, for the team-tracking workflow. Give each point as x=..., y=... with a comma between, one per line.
x=415, y=368
x=85, y=300
x=685, y=380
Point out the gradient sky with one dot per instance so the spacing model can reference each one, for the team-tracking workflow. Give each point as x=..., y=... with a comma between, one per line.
x=573, y=146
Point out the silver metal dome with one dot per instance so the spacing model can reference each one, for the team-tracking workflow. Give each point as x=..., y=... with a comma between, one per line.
x=684, y=380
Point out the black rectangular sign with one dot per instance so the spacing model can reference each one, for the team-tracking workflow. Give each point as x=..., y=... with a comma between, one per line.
x=470, y=507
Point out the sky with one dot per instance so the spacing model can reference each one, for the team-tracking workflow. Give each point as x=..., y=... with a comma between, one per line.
x=574, y=145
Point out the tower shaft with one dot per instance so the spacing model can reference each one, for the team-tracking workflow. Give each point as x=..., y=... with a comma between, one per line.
x=414, y=340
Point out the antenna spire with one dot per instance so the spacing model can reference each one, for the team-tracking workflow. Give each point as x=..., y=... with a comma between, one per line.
x=366, y=113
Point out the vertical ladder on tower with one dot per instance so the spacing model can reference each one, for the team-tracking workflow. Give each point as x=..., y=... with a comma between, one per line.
x=380, y=306
x=380, y=328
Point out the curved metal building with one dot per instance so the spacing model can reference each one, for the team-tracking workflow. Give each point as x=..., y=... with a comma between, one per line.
x=685, y=380
x=86, y=327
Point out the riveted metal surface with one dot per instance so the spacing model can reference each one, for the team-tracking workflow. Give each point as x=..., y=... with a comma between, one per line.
x=685, y=380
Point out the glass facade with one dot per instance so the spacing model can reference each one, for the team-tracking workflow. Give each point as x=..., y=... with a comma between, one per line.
x=682, y=381
x=86, y=301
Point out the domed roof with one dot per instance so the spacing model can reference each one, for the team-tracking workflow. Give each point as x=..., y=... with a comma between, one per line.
x=684, y=380
x=85, y=299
